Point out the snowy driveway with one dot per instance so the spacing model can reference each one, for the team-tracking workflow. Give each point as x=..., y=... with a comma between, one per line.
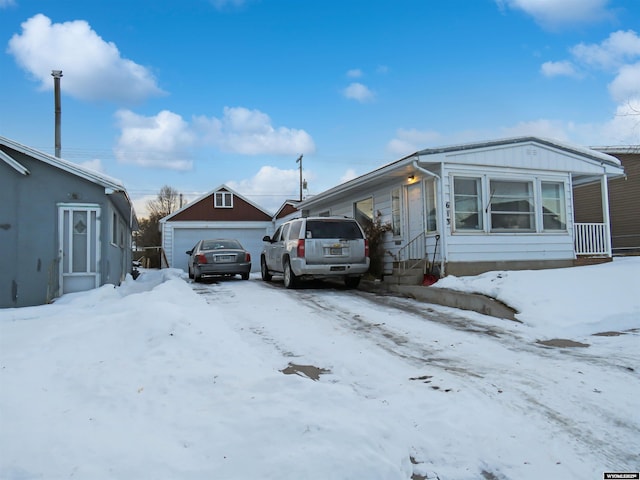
x=167, y=379
x=472, y=384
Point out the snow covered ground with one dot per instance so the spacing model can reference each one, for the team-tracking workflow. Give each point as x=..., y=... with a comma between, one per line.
x=161, y=378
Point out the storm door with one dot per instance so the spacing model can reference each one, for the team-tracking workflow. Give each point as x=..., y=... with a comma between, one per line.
x=415, y=220
x=79, y=247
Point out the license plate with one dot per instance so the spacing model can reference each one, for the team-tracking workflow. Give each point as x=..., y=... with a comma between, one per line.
x=225, y=258
x=335, y=251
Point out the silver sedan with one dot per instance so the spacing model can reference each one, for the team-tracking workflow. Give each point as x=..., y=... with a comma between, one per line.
x=218, y=257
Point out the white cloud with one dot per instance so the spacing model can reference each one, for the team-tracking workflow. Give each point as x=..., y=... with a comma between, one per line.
x=619, y=48
x=624, y=127
x=626, y=85
x=93, y=69
x=7, y=3
x=537, y=128
x=409, y=141
x=354, y=73
x=358, y=91
x=250, y=132
x=559, y=69
x=270, y=187
x=555, y=13
x=161, y=141
x=95, y=164
x=350, y=174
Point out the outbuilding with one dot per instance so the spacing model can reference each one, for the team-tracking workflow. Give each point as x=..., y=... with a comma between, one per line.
x=220, y=213
x=63, y=228
x=502, y=204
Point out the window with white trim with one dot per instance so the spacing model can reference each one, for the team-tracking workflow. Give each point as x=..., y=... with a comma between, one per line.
x=511, y=205
x=223, y=200
x=396, y=213
x=363, y=212
x=554, y=213
x=496, y=205
x=430, y=204
x=467, y=199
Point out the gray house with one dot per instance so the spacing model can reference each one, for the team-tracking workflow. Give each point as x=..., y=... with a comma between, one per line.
x=503, y=204
x=63, y=228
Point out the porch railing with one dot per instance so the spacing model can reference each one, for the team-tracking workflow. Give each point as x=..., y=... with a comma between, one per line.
x=591, y=239
x=412, y=253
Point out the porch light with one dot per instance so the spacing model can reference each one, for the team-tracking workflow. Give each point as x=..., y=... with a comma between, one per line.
x=411, y=178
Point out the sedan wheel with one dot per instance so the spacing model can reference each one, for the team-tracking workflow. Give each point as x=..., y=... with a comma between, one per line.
x=196, y=275
x=290, y=279
x=264, y=271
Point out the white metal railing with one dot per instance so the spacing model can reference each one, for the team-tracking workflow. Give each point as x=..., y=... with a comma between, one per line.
x=591, y=239
x=412, y=253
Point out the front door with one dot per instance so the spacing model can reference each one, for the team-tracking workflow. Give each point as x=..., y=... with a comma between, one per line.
x=415, y=220
x=79, y=247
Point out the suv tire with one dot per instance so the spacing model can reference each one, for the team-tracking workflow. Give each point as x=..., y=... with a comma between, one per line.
x=352, y=282
x=264, y=270
x=290, y=279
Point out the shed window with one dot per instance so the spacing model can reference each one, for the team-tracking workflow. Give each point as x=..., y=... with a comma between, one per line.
x=223, y=200
x=511, y=205
x=554, y=216
x=467, y=203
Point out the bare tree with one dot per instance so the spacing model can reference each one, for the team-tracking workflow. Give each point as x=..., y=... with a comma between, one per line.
x=148, y=234
x=164, y=204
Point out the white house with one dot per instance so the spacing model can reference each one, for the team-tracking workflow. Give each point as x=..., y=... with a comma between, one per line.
x=504, y=204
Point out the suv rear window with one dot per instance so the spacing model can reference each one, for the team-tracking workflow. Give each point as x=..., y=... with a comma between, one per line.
x=333, y=229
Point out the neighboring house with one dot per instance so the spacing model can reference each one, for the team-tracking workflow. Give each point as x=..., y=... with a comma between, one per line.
x=287, y=211
x=504, y=204
x=624, y=203
x=221, y=213
x=63, y=228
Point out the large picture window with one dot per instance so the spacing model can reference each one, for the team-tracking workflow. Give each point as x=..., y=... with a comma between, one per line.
x=496, y=205
x=467, y=203
x=511, y=205
x=554, y=216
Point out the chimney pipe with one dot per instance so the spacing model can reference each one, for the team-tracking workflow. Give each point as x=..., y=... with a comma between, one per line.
x=57, y=75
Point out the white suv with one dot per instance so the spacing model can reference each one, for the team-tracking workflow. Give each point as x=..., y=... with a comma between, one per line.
x=316, y=247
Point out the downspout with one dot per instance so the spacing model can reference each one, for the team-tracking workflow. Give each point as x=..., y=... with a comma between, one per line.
x=606, y=215
x=443, y=245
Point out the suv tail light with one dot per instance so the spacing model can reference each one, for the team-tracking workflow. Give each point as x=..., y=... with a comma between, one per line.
x=366, y=247
x=200, y=258
x=300, y=249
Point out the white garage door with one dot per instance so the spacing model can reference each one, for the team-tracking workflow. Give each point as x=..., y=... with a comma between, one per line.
x=185, y=239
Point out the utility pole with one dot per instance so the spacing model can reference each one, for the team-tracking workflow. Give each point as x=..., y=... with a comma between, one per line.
x=299, y=160
x=57, y=75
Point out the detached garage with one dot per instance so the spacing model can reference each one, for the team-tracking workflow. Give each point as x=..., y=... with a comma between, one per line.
x=221, y=213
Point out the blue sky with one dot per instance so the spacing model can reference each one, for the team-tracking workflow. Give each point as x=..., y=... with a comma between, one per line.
x=197, y=93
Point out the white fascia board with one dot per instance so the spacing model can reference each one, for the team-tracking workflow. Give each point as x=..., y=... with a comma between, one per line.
x=17, y=166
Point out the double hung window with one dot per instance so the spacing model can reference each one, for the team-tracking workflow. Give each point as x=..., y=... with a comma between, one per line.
x=467, y=203
x=223, y=200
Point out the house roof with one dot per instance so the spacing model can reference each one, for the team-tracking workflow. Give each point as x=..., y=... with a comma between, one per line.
x=404, y=166
x=111, y=185
x=222, y=187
